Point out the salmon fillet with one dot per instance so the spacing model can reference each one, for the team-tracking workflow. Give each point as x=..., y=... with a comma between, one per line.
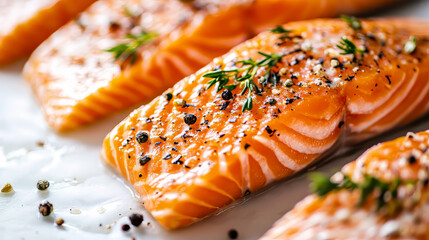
x=267, y=109
x=27, y=23
x=386, y=197
x=77, y=81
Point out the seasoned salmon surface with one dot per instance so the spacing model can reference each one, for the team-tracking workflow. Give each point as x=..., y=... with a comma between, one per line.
x=382, y=195
x=155, y=43
x=269, y=108
x=27, y=23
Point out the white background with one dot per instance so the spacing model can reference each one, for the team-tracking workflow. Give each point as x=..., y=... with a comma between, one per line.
x=79, y=179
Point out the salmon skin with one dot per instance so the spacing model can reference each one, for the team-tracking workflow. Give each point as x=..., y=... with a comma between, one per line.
x=27, y=23
x=77, y=81
x=386, y=197
x=267, y=109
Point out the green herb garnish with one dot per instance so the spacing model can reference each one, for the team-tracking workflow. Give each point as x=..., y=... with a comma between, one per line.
x=411, y=45
x=353, y=22
x=245, y=75
x=221, y=78
x=322, y=185
x=349, y=47
x=129, y=51
x=281, y=30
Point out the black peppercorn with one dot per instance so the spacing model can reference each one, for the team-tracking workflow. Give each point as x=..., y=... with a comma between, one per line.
x=233, y=234
x=272, y=101
x=425, y=182
x=143, y=160
x=136, y=219
x=142, y=137
x=190, y=118
x=46, y=208
x=42, y=185
x=168, y=96
x=268, y=129
x=224, y=106
x=412, y=159
x=226, y=94
x=125, y=227
x=114, y=26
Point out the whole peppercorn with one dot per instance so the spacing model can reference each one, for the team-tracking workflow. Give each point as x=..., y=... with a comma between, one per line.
x=42, y=185
x=143, y=160
x=233, y=234
x=7, y=188
x=272, y=101
x=227, y=94
x=46, y=208
x=125, y=227
x=168, y=96
x=289, y=83
x=59, y=221
x=335, y=62
x=136, y=219
x=179, y=102
x=142, y=137
x=190, y=118
x=412, y=159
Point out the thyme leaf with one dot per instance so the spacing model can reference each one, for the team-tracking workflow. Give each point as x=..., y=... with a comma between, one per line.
x=349, y=47
x=219, y=77
x=245, y=76
x=281, y=30
x=353, y=22
x=271, y=60
x=129, y=51
x=248, y=104
x=322, y=185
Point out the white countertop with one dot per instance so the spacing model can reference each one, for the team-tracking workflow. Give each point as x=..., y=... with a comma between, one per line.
x=79, y=180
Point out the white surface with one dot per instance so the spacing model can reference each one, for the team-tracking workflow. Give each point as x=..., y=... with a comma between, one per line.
x=79, y=179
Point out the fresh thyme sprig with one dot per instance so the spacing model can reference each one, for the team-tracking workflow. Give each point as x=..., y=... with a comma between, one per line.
x=245, y=76
x=353, y=22
x=322, y=185
x=221, y=78
x=281, y=30
x=129, y=51
x=349, y=47
x=270, y=61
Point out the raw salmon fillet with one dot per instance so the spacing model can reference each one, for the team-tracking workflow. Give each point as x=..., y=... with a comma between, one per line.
x=27, y=23
x=389, y=198
x=77, y=81
x=194, y=149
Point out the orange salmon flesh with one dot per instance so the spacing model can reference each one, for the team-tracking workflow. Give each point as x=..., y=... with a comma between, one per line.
x=77, y=81
x=338, y=214
x=193, y=149
x=27, y=23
